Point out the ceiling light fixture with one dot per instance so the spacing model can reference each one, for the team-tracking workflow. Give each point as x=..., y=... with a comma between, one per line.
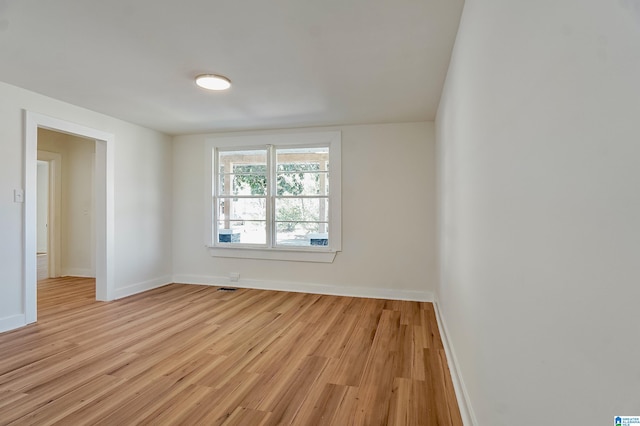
x=213, y=82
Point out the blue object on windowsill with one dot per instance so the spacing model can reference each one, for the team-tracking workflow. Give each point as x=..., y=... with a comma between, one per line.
x=228, y=236
x=319, y=239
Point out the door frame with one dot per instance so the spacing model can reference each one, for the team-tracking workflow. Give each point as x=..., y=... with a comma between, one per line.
x=104, y=211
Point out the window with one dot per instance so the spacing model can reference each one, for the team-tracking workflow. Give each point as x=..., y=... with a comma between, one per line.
x=275, y=196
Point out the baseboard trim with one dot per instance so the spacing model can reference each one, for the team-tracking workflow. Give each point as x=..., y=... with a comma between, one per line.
x=78, y=272
x=12, y=322
x=333, y=290
x=464, y=403
x=130, y=290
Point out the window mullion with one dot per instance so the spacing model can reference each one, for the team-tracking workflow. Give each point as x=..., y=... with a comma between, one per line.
x=214, y=199
x=271, y=192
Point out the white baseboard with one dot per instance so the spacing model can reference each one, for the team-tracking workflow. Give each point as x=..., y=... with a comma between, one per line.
x=130, y=290
x=78, y=272
x=12, y=322
x=464, y=403
x=333, y=290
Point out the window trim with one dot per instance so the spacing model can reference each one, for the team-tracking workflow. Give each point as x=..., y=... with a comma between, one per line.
x=333, y=139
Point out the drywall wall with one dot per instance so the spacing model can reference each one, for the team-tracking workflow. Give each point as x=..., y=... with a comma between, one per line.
x=142, y=221
x=538, y=153
x=388, y=218
x=77, y=233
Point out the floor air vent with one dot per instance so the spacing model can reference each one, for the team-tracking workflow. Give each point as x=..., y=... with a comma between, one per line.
x=227, y=289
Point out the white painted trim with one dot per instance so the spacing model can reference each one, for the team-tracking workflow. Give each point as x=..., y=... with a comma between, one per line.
x=274, y=254
x=333, y=290
x=142, y=287
x=30, y=220
x=464, y=403
x=104, y=223
x=12, y=322
x=78, y=272
x=333, y=139
x=104, y=218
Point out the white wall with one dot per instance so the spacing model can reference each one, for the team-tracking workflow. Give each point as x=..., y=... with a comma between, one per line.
x=77, y=210
x=538, y=146
x=142, y=198
x=388, y=182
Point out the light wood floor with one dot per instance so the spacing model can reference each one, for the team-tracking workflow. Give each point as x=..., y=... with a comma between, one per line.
x=191, y=355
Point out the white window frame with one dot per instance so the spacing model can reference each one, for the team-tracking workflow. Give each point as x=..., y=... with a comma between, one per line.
x=269, y=251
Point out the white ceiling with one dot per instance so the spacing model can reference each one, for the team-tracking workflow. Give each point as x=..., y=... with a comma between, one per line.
x=292, y=62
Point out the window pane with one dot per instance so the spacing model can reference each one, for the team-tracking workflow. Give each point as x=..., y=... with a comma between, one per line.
x=302, y=209
x=242, y=232
x=302, y=234
x=242, y=172
x=242, y=209
x=243, y=184
x=245, y=161
x=303, y=183
x=302, y=159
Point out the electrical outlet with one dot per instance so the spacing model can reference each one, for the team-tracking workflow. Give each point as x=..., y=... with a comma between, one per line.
x=234, y=277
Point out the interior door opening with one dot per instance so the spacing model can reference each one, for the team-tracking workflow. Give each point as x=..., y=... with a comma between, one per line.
x=71, y=228
x=99, y=211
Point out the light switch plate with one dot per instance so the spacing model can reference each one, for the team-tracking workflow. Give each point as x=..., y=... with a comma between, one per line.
x=18, y=195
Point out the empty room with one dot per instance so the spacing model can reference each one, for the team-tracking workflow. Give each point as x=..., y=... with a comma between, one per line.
x=319, y=212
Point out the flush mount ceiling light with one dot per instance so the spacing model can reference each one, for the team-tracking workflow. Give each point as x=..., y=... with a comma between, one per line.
x=213, y=82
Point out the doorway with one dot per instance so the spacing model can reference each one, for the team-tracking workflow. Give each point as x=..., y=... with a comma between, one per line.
x=104, y=206
x=73, y=251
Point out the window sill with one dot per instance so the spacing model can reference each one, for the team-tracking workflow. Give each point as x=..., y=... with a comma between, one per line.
x=318, y=256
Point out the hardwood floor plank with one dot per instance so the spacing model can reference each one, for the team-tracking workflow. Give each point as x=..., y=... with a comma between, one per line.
x=187, y=354
x=61, y=407
x=411, y=314
x=353, y=361
x=80, y=374
x=346, y=411
x=369, y=315
x=245, y=416
x=398, y=409
x=320, y=407
x=249, y=332
x=449, y=394
x=170, y=411
x=437, y=373
x=286, y=397
x=10, y=397
x=334, y=340
x=27, y=354
x=104, y=405
x=417, y=366
x=234, y=391
x=404, y=359
x=145, y=402
x=410, y=404
x=430, y=328
x=201, y=412
x=377, y=382
x=152, y=357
